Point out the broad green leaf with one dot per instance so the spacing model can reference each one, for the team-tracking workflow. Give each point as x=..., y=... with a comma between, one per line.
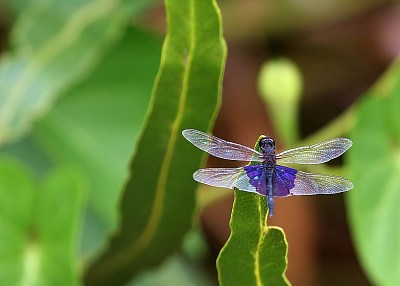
x=55, y=46
x=255, y=254
x=94, y=126
x=374, y=163
x=38, y=227
x=159, y=197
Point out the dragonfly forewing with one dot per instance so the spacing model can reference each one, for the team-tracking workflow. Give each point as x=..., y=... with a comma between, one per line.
x=315, y=154
x=220, y=148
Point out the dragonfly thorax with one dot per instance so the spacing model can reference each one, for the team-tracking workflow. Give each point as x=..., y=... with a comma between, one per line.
x=267, y=145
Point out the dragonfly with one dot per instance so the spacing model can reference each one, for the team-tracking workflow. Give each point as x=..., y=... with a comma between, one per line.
x=264, y=176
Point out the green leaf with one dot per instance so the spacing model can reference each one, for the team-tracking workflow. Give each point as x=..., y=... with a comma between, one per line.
x=159, y=198
x=94, y=126
x=255, y=254
x=374, y=163
x=39, y=227
x=56, y=45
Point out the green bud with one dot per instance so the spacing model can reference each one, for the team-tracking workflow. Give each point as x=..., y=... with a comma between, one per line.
x=280, y=85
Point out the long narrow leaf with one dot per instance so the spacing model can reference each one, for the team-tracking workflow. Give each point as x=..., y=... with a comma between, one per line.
x=158, y=200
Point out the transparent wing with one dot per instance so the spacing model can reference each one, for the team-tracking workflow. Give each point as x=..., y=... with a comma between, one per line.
x=300, y=183
x=315, y=154
x=221, y=148
x=228, y=178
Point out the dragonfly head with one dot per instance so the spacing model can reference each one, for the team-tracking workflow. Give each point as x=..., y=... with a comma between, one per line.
x=267, y=145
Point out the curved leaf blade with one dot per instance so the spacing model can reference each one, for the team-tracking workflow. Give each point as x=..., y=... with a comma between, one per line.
x=374, y=163
x=157, y=204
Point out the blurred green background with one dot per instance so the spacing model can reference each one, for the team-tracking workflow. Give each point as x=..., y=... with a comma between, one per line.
x=76, y=81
